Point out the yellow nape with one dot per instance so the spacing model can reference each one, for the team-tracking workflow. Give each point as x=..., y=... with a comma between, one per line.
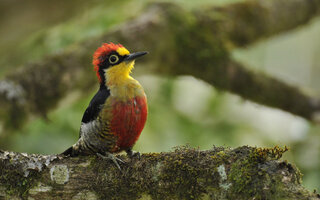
x=123, y=51
x=119, y=74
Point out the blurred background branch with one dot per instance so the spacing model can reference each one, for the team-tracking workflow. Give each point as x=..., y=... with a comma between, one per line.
x=43, y=84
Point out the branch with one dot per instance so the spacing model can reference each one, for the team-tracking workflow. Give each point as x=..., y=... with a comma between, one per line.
x=195, y=43
x=262, y=89
x=246, y=22
x=220, y=173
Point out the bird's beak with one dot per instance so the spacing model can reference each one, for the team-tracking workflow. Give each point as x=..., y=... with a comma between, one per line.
x=133, y=56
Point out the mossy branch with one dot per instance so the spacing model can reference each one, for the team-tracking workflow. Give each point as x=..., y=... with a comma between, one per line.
x=220, y=173
x=180, y=42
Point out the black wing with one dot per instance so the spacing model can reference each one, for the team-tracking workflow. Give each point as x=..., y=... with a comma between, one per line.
x=95, y=105
x=91, y=112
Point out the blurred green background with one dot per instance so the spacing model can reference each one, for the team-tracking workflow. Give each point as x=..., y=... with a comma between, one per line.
x=182, y=110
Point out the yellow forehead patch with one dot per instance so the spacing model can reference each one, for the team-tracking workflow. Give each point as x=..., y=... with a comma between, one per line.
x=122, y=51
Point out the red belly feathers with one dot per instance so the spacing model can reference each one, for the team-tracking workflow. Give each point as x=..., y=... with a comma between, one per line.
x=128, y=120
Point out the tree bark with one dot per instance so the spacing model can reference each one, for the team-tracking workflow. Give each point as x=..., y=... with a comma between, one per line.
x=180, y=42
x=186, y=173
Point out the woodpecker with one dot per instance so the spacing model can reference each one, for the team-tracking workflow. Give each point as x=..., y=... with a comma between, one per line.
x=117, y=113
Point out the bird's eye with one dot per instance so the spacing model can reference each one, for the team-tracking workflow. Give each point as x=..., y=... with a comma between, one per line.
x=113, y=59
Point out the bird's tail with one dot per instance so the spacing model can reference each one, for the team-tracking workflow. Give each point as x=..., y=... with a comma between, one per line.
x=76, y=149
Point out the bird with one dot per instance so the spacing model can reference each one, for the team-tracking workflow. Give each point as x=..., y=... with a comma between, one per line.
x=117, y=113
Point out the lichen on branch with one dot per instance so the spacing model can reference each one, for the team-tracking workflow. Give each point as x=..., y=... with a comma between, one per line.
x=186, y=173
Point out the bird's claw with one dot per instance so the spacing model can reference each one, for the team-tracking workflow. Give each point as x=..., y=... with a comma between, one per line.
x=133, y=154
x=110, y=156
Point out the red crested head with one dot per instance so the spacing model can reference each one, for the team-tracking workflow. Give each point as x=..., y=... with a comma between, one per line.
x=100, y=54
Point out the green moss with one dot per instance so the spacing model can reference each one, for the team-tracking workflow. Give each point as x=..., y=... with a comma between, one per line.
x=244, y=173
x=14, y=182
x=185, y=173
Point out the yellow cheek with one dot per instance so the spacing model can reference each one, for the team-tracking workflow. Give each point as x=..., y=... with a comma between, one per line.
x=123, y=51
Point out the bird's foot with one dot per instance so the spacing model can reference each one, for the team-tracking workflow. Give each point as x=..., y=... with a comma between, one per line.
x=133, y=154
x=110, y=156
